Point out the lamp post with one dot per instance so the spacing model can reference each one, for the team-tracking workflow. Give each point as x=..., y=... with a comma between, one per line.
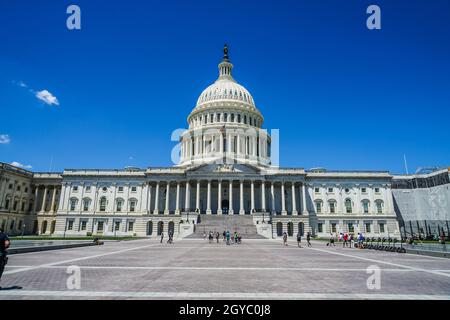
x=23, y=229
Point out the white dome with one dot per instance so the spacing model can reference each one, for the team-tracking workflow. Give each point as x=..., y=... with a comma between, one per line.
x=225, y=89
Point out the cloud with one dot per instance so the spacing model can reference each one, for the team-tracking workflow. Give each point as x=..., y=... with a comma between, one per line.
x=19, y=165
x=4, y=139
x=47, y=97
x=22, y=84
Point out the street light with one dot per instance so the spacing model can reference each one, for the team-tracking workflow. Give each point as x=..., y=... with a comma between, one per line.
x=23, y=229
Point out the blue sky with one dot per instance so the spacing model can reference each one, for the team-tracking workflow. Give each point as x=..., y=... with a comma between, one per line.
x=344, y=97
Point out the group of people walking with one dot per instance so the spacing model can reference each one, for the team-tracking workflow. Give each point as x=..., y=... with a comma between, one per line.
x=170, y=235
x=227, y=237
x=299, y=239
x=347, y=239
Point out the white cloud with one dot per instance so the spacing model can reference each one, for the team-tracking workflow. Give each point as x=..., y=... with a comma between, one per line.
x=18, y=164
x=22, y=84
x=4, y=139
x=47, y=97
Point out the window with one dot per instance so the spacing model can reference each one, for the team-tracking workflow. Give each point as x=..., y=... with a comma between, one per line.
x=130, y=225
x=88, y=188
x=23, y=206
x=119, y=205
x=83, y=225
x=75, y=188
x=26, y=190
x=7, y=204
x=348, y=206
x=320, y=227
x=351, y=228
x=120, y=189
x=363, y=190
x=318, y=207
x=117, y=226
x=333, y=227
x=377, y=190
x=379, y=206
x=86, y=204
x=10, y=186
x=70, y=225
x=133, y=189
x=18, y=188
x=316, y=190
x=103, y=204
x=15, y=205
x=100, y=226
x=381, y=225
x=73, y=204
x=11, y=227
x=347, y=190
x=365, y=206
x=20, y=225
x=368, y=227
x=132, y=205
x=104, y=189
x=332, y=207
x=330, y=190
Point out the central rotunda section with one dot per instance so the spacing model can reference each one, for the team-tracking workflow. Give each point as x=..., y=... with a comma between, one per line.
x=225, y=126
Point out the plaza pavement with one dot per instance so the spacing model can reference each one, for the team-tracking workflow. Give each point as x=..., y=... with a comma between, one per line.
x=195, y=269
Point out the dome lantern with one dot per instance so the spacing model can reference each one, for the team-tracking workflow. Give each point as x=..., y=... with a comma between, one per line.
x=225, y=66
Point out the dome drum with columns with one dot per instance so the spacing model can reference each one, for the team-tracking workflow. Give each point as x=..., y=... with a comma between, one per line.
x=225, y=125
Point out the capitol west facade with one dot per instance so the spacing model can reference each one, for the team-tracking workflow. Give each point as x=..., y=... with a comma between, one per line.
x=224, y=169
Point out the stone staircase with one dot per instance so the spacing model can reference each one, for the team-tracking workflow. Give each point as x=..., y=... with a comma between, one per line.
x=243, y=224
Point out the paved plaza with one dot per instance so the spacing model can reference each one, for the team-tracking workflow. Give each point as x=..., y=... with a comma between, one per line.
x=195, y=269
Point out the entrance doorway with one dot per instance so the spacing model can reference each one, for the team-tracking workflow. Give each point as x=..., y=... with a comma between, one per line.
x=279, y=229
x=225, y=206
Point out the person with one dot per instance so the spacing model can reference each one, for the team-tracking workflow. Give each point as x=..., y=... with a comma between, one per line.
x=285, y=238
x=345, y=238
x=228, y=237
x=204, y=235
x=224, y=235
x=4, y=245
x=351, y=240
x=170, y=240
x=217, y=236
x=235, y=237
x=308, y=239
x=341, y=236
x=299, y=239
x=331, y=242
x=442, y=238
x=210, y=237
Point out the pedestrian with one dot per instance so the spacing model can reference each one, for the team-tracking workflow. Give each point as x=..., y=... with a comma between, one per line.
x=345, y=238
x=332, y=240
x=308, y=239
x=228, y=237
x=162, y=237
x=299, y=239
x=217, y=236
x=210, y=237
x=204, y=235
x=4, y=245
x=351, y=240
x=224, y=235
x=285, y=238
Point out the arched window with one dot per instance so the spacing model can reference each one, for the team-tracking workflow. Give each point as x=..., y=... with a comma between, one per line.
x=171, y=228
x=365, y=204
x=149, y=228
x=318, y=204
x=348, y=205
x=160, y=228
x=86, y=204
x=245, y=119
x=332, y=205
x=379, y=205
x=73, y=204
x=103, y=204
x=279, y=229
x=133, y=204
x=119, y=204
x=44, y=227
x=232, y=117
x=301, y=228
x=239, y=118
x=225, y=117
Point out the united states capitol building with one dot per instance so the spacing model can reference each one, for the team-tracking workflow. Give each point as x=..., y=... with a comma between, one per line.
x=224, y=172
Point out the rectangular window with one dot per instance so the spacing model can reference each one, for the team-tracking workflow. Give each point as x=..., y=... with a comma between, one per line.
x=88, y=188
x=86, y=205
x=316, y=190
x=133, y=189
x=381, y=227
x=351, y=228
x=18, y=188
x=15, y=205
x=320, y=227
x=20, y=225
x=72, y=205
x=100, y=226
x=332, y=207
x=130, y=226
x=377, y=190
x=368, y=227
x=75, y=188
x=330, y=190
x=318, y=207
x=333, y=227
x=379, y=207
x=23, y=206
x=70, y=225
x=132, y=206
x=117, y=226
x=119, y=206
x=120, y=189
x=83, y=225
x=366, y=207
x=363, y=190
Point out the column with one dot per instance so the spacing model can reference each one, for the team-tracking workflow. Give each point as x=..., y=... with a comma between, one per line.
x=241, y=197
x=166, y=209
x=238, y=144
x=149, y=198
x=252, y=197
x=52, y=209
x=263, y=196
x=305, y=208
x=156, y=210
x=44, y=200
x=272, y=195
x=177, y=205
x=230, y=205
x=197, y=200
x=35, y=198
x=208, y=200
x=187, y=197
x=294, y=203
x=219, y=197
x=283, y=200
